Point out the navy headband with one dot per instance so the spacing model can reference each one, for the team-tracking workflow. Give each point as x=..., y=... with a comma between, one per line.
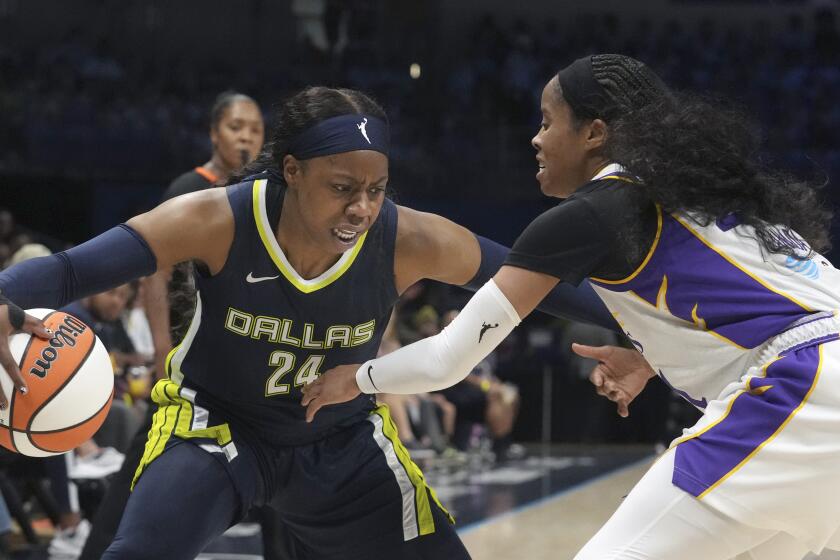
x=346, y=133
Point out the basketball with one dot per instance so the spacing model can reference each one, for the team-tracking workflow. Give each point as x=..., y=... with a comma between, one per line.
x=71, y=385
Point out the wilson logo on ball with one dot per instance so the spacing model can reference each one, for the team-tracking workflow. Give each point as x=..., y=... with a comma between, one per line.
x=65, y=335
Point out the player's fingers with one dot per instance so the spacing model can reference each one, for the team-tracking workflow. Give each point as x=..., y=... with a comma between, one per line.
x=10, y=365
x=623, y=408
x=313, y=407
x=597, y=377
x=610, y=386
x=37, y=327
x=594, y=352
x=311, y=394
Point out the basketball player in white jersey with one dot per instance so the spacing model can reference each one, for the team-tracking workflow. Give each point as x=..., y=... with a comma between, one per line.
x=710, y=264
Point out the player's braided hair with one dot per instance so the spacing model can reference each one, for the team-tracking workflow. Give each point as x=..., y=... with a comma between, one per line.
x=301, y=112
x=628, y=82
x=699, y=155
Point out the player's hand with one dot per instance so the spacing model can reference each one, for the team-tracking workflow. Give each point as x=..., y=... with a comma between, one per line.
x=13, y=318
x=620, y=375
x=337, y=385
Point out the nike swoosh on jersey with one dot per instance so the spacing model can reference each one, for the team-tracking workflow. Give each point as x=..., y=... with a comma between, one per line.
x=254, y=279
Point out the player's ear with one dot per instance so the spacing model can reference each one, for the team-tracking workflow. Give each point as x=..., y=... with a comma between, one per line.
x=597, y=136
x=291, y=170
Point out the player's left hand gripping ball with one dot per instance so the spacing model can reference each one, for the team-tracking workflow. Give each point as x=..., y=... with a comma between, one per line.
x=337, y=385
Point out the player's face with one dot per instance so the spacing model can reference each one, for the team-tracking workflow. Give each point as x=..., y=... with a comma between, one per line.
x=239, y=135
x=108, y=306
x=341, y=195
x=560, y=145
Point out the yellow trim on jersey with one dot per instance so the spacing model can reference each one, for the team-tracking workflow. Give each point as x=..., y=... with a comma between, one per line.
x=698, y=321
x=776, y=433
x=758, y=391
x=662, y=296
x=167, y=365
x=174, y=416
x=738, y=266
x=619, y=178
x=701, y=322
x=684, y=439
x=289, y=274
x=425, y=521
x=647, y=258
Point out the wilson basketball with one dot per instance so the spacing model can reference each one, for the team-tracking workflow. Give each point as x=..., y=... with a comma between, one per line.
x=71, y=385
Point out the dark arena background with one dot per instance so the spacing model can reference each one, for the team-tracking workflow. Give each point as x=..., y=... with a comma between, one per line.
x=104, y=102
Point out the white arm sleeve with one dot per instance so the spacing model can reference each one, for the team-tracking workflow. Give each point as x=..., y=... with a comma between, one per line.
x=443, y=360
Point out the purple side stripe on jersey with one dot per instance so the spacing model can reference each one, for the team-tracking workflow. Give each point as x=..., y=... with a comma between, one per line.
x=702, y=283
x=755, y=417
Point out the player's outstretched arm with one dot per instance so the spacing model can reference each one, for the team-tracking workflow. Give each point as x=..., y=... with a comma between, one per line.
x=430, y=246
x=442, y=360
x=196, y=226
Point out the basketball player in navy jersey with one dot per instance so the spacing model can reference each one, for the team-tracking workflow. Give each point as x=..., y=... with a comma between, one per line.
x=709, y=263
x=297, y=269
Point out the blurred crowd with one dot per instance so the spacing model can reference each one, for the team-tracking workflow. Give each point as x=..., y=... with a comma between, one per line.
x=79, y=104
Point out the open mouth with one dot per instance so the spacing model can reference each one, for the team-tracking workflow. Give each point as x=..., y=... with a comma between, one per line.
x=345, y=235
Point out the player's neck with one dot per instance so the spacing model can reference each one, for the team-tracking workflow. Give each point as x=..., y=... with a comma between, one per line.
x=304, y=253
x=594, y=167
x=218, y=168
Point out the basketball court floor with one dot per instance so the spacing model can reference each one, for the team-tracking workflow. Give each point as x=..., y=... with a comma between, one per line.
x=544, y=506
x=555, y=493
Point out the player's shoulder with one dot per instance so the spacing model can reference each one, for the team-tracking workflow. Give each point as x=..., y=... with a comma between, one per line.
x=612, y=194
x=614, y=185
x=415, y=228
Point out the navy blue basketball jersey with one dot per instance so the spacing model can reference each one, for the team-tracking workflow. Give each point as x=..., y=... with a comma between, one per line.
x=261, y=331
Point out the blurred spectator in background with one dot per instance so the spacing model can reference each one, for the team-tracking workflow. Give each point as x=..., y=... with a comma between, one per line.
x=236, y=134
x=596, y=412
x=28, y=251
x=424, y=422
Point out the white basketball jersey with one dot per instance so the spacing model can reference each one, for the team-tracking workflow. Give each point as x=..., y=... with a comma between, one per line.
x=707, y=299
